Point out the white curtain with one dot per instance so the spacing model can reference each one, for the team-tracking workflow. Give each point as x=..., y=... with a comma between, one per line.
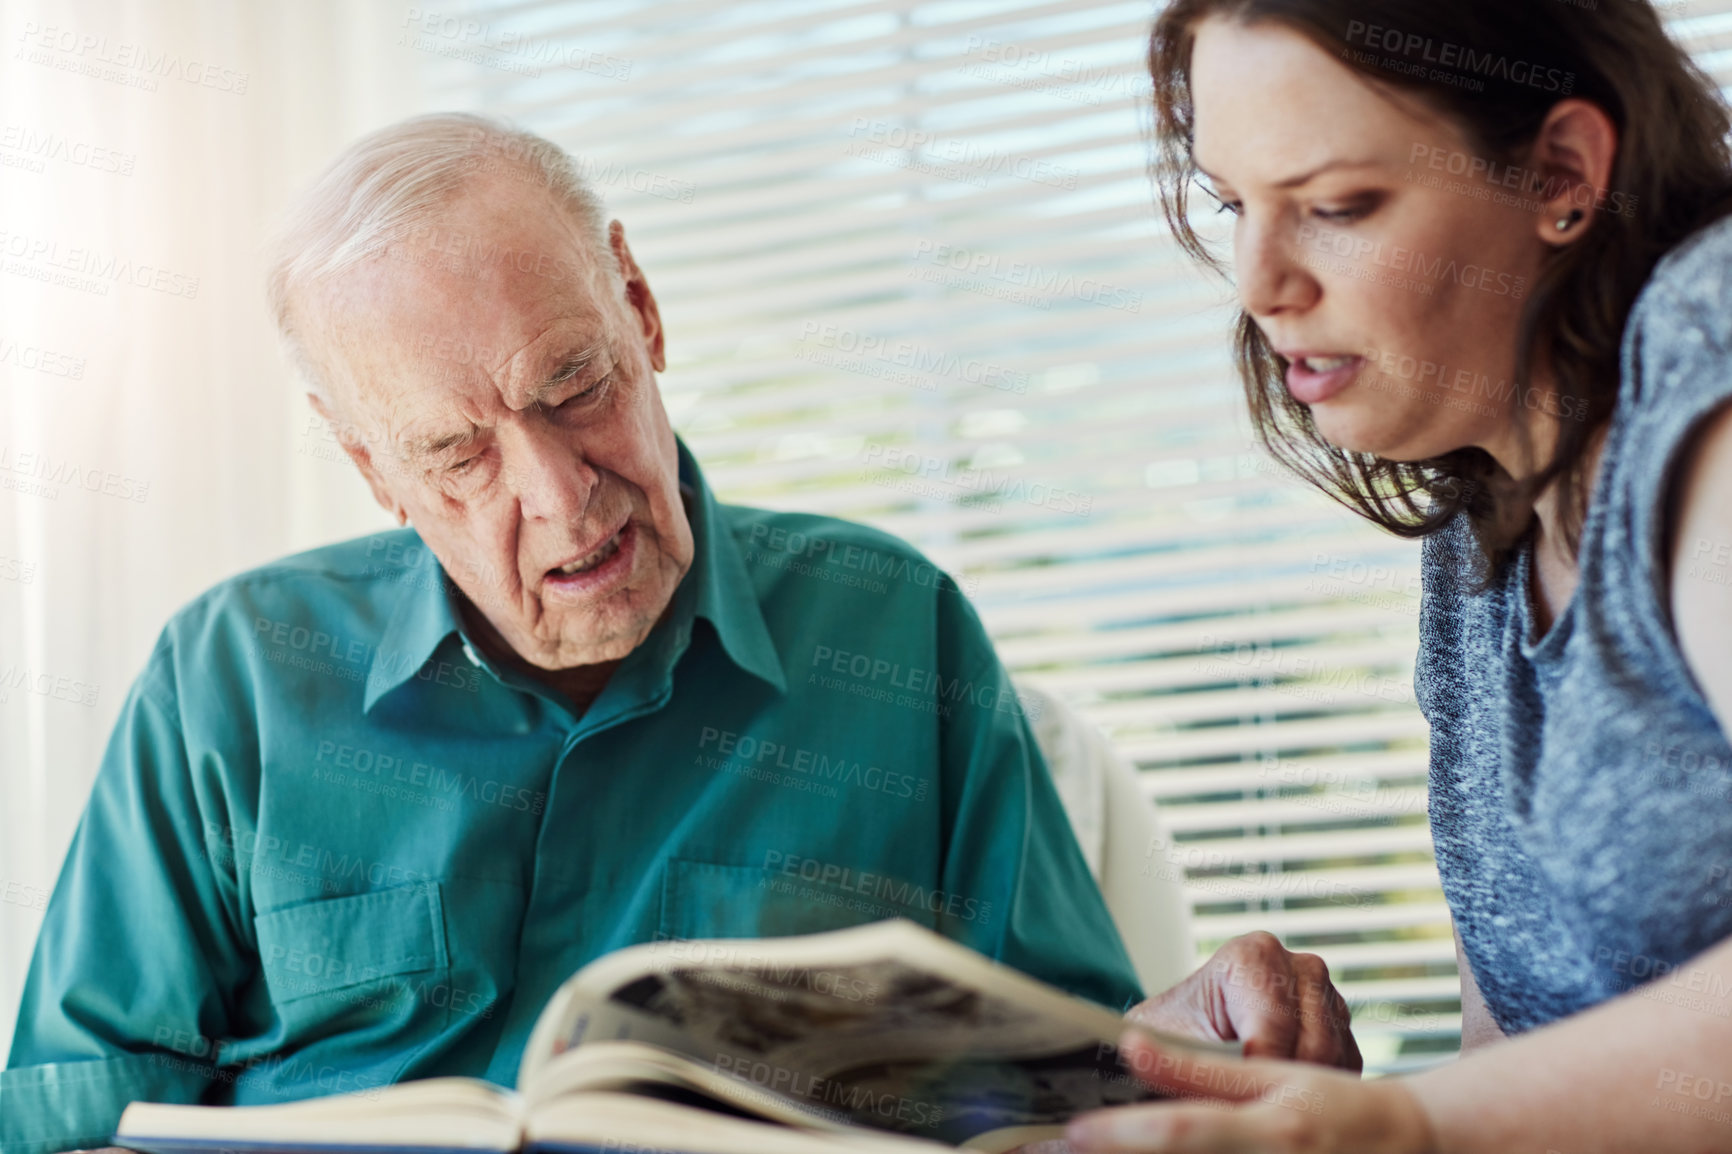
x=151, y=439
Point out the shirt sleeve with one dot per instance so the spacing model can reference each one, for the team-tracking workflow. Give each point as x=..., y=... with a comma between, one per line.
x=1018, y=889
x=1680, y=350
x=126, y=993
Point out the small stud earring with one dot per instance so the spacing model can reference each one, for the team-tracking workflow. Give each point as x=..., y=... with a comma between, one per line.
x=1565, y=223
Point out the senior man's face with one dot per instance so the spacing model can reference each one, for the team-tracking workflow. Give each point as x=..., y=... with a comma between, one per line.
x=502, y=392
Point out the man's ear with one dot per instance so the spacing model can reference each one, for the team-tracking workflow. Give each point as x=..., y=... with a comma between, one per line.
x=1572, y=161
x=356, y=446
x=638, y=295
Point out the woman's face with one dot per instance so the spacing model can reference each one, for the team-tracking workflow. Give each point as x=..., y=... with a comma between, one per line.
x=1380, y=255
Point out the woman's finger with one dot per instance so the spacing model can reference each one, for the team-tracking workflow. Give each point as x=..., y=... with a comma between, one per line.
x=1189, y=1073
x=1170, y=1128
x=1273, y=1107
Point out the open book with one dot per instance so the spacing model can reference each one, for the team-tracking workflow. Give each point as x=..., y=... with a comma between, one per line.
x=873, y=1040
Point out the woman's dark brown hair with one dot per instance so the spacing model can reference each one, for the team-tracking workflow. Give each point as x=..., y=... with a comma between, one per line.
x=1473, y=61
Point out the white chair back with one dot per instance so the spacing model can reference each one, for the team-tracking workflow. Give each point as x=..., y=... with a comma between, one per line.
x=1122, y=837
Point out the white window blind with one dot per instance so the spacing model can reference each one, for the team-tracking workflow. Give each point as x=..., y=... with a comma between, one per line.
x=911, y=275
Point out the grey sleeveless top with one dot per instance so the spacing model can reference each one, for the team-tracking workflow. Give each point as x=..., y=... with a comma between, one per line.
x=1581, y=787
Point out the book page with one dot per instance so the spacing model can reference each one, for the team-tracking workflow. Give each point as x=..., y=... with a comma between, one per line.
x=600, y=1121
x=436, y=1112
x=887, y=1025
x=632, y=1067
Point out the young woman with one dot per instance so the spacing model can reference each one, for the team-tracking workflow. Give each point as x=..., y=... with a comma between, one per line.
x=1485, y=266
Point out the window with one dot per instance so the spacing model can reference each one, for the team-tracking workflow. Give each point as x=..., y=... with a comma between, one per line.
x=912, y=275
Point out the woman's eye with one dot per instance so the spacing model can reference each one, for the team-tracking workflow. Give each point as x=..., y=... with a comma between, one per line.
x=1231, y=206
x=1345, y=215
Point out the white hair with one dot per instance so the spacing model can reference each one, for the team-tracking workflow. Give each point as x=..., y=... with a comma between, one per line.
x=394, y=181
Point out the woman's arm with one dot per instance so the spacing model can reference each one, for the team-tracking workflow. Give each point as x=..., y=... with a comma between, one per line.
x=1701, y=581
x=1478, y=1028
x=1650, y=1070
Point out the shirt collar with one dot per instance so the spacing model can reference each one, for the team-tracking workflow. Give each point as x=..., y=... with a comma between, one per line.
x=716, y=588
x=727, y=597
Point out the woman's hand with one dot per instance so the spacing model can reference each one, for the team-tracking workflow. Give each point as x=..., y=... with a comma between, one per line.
x=1253, y=1107
x=1281, y=1004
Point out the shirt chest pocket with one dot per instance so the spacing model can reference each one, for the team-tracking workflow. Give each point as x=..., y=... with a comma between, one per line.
x=705, y=900
x=369, y=964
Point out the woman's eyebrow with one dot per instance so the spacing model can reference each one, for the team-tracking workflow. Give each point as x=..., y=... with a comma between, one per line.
x=1301, y=178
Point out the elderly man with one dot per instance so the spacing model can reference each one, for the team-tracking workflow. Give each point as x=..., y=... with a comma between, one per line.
x=366, y=807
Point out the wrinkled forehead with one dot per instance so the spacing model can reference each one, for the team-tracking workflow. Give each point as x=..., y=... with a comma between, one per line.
x=485, y=290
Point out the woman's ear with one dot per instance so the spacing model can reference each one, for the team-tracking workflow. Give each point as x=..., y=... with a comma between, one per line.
x=1571, y=165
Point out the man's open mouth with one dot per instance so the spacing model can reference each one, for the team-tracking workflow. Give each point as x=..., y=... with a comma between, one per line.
x=594, y=560
x=599, y=570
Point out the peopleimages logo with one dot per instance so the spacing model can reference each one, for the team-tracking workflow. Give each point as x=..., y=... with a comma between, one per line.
x=1537, y=189
x=37, y=147
x=777, y=547
x=135, y=65
x=465, y=39
x=1420, y=51
x=1067, y=70
x=882, y=888
x=920, y=361
x=975, y=161
x=973, y=267
x=1400, y=259
x=1435, y=382
x=967, y=478
x=40, y=360
x=88, y=269
x=43, y=467
x=749, y=751
x=928, y=690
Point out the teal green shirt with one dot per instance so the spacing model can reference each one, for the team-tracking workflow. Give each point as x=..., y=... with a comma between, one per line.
x=332, y=845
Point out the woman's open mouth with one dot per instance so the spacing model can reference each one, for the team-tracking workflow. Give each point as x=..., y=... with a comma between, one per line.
x=1313, y=379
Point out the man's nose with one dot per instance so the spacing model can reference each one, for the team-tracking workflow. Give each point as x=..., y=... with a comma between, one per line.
x=550, y=478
